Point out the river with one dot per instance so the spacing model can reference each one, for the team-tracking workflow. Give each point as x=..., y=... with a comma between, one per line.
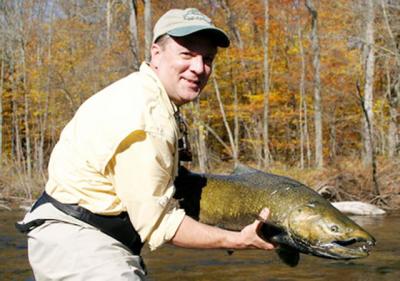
x=170, y=263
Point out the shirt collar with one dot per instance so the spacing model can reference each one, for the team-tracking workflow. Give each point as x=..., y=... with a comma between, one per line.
x=148, y=71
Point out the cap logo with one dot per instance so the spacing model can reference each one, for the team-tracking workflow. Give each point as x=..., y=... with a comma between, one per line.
x=194, y=14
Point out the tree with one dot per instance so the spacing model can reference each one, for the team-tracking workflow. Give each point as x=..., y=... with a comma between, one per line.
x=56, y=54
x=267, y=154
x=148, y=29
x=133, y=31
x=303, y=115
x=1, y=102
x=369, y=65
x=393, y=75
x=317, y=84
x=199, y=137
x=233, y=149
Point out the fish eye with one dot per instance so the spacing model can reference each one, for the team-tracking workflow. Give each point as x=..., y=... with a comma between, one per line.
x=334, y=228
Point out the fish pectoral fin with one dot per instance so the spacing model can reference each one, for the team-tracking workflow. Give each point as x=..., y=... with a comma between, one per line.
x=288, y=255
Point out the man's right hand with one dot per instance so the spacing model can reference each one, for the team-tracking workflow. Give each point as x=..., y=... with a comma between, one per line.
x=249, y=234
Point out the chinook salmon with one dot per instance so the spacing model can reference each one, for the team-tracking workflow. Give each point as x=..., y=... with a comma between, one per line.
x=300, y=220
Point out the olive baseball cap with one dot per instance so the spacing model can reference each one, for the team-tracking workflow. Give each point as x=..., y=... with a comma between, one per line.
x=179, y=23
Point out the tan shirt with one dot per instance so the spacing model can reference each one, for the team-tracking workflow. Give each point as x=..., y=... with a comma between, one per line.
x=119, y=153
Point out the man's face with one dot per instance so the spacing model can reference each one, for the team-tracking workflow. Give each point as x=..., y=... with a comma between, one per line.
x=184, y=65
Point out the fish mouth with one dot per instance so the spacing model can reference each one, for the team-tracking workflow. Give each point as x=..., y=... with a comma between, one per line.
x=353, y=248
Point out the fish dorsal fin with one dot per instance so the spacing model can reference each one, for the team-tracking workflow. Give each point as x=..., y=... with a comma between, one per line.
x=243, y=169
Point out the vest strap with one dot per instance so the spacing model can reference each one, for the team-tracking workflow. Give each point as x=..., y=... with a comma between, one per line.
x=119, y=227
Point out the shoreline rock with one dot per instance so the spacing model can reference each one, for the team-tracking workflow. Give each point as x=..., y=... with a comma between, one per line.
x=358, y=208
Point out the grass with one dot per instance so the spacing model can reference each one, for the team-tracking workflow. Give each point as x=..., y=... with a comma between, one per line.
x=347, y=179
x=17, y=188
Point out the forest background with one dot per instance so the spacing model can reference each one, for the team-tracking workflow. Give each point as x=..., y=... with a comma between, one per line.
x=308, y=88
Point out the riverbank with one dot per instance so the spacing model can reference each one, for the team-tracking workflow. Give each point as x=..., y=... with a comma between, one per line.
x=349, y=180
x=346, y=180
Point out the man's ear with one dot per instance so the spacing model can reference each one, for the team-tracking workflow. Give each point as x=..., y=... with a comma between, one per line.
x=155, y=52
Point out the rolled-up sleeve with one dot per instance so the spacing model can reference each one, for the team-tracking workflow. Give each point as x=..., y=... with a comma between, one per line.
x=141, y=171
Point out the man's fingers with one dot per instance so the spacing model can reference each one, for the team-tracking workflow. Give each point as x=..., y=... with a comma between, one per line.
x=263, y=216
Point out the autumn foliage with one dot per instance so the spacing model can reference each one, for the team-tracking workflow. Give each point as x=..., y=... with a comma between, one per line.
x=56, y=54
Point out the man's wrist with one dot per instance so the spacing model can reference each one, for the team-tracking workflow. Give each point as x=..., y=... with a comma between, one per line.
x=234, y=240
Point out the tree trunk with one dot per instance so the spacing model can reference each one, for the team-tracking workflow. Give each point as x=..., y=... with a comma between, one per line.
x=303, y=130
x=200, y=133
x=28, y=148
x=376, y=190
x=266, y=151
x=253, y=133
x=236, y=113
x=133, y=31
x=231, y=18
x=393, y=89
x=15, y=137
x=44, y=118
x=148, y=31
x=369, y=63
x=228, y=130
x=393, y=98
x=232, y=25
x=394, y=45
x=332, y=137
x=21, y=49
x=317, y=84
x=1, y=104
x=109, y=20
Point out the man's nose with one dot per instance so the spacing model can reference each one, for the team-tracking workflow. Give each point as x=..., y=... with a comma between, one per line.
x=197, y=64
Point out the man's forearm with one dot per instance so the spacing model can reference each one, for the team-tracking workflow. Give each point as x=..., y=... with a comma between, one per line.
x=193, y=234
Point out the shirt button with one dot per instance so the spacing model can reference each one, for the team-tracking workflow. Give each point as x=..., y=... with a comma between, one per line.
x=163, y=201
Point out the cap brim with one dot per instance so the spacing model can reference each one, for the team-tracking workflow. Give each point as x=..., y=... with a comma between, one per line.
x=220, y=37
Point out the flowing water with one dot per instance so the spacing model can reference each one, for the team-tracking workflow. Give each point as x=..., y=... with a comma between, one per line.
x=169, y=263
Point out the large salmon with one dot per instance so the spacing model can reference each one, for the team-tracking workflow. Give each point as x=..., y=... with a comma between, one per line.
x=300, y=219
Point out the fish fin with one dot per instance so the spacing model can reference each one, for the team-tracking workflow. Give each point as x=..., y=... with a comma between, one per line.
x=243, y=169
x=230, y=252
x=288, y=255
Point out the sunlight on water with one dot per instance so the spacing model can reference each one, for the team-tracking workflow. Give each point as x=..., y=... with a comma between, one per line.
x=169, y=263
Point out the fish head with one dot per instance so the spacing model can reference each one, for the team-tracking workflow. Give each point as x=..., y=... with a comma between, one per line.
x=319, y=229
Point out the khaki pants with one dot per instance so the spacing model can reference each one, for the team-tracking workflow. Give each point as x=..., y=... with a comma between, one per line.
x=64, y=248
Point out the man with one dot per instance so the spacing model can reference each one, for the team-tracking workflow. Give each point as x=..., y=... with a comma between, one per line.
x=111, y=175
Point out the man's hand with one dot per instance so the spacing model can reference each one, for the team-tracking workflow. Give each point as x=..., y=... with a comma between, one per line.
x=193, y=234
x=249, y=234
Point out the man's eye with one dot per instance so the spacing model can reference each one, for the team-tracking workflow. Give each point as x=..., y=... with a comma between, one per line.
x=186, y=55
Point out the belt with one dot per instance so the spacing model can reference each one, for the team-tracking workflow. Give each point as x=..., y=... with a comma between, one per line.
x=119, y=227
